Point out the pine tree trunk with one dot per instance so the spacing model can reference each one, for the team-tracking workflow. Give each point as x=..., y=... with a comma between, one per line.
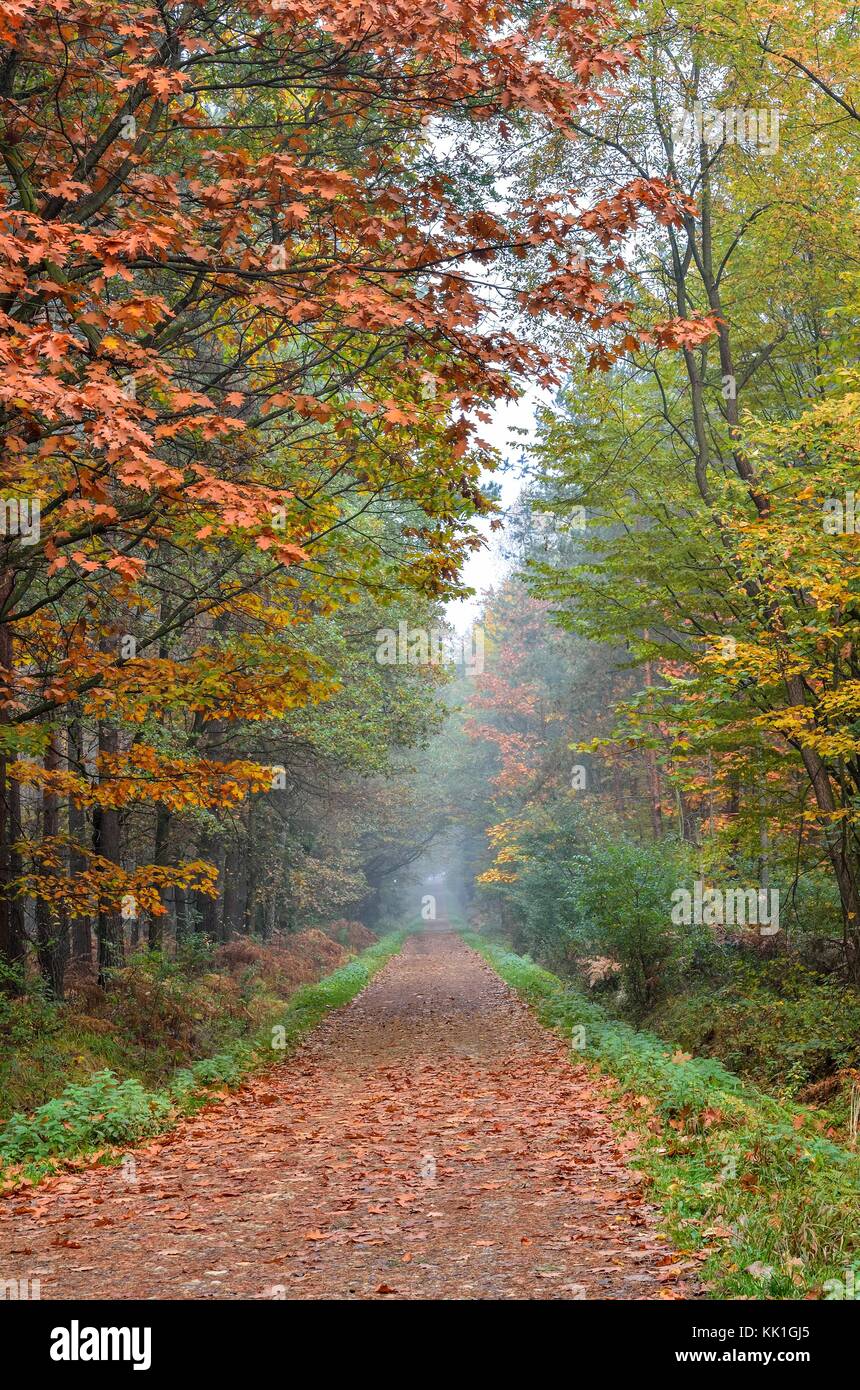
x=81, y=943
x=162, y=837
x=52, y=926
x=230, y=918
x=180, y=908
x=12, y=938
x=106, y=843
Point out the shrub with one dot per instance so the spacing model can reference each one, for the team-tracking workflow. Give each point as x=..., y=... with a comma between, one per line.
x=778, y=1023
x=26, y=1018
x=352, y=934
x=195, y=954
x=104, y=1111
x=621, y=902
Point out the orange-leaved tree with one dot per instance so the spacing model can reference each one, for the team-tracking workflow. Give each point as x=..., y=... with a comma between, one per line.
x=249, y=330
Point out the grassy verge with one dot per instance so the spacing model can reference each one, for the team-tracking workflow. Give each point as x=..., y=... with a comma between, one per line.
x=162, y=1012
x=745, y=1181
x=90, y=1120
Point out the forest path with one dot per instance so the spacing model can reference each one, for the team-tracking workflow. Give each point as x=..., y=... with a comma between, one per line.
x=429, y=1140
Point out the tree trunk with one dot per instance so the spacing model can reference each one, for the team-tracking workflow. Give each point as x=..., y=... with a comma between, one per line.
x=106, y=842
x=206, y=906
x=162, y=837
x=180, y=907
x=251, y=876
x=231, y=915
x=81, y=945
x=845, y=863
x=52, y=926
x=654, y=792
x=12, y=938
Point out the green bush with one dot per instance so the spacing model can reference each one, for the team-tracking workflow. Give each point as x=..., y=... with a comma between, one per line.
x=105, y=1111
x=27, y=1017
x=583, y=890
x=552, y=842
x=621, y=902
x=225, y=1070
x=195, y=954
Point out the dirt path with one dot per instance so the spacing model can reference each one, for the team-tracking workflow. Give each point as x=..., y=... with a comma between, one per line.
x=430, y=1140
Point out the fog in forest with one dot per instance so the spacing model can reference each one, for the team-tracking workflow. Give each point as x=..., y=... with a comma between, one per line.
x=430, y=666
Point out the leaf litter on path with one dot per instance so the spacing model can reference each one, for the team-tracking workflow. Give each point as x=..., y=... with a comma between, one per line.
x=430, y=1140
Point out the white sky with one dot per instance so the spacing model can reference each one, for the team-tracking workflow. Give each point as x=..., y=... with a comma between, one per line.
x=487, y=567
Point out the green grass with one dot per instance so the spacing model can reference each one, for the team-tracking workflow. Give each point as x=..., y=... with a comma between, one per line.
x=108, y=1111
x=743, y=1179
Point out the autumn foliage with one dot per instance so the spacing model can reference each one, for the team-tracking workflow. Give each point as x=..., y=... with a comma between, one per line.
x=247, y=343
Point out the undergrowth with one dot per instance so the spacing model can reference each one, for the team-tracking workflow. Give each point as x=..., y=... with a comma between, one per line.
x=107, y=1111
x=746, y=1182
x=160, y=1013
x=783, y=1027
